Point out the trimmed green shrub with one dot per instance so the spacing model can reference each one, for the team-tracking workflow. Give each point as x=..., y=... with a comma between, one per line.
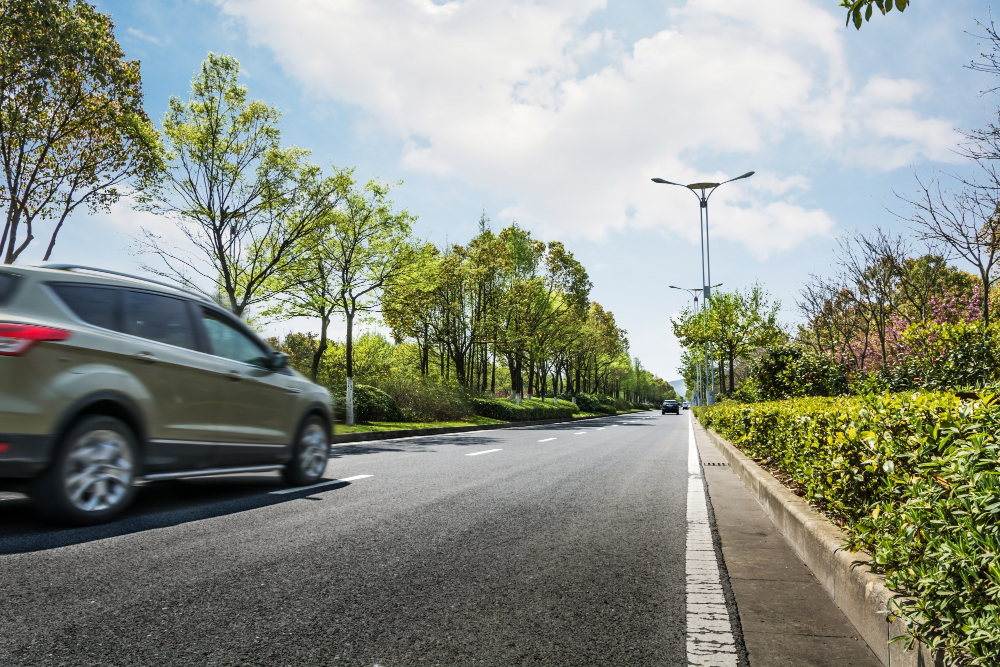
x=370, y=405
x=914, y=478
x=592, y=402
x=507, y=410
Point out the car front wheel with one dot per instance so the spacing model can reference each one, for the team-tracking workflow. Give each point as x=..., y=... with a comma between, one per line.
x=311, y=453
x=91, y=478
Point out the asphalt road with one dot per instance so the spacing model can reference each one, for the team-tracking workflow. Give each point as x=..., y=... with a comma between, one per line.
x=547, y=545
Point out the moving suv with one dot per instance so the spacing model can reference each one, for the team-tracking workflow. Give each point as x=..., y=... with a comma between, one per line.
x=671, y=406
x=108, y=380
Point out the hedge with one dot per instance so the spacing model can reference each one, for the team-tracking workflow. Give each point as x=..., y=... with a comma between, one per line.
x=592, y=402
x=507, y=410
x=914, y=478
x=370, y=405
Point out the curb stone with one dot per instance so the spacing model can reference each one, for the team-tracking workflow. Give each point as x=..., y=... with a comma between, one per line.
x=442, y=430
x=846, y=577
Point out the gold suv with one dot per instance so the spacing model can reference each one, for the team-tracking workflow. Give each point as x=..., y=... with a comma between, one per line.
x=109, y=380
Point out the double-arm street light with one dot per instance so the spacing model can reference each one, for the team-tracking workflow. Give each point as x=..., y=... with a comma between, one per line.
x=706, y=190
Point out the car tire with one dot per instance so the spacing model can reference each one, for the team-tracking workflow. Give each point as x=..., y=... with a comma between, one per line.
x=92, y=477
x=310, y=453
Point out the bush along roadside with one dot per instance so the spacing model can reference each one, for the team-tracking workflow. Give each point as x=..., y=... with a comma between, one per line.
x=914, y=479
x=370, y=405
x=507, y=410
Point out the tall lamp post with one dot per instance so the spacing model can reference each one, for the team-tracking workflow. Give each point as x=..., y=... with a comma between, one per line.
x=694, y=293
x=706, y=264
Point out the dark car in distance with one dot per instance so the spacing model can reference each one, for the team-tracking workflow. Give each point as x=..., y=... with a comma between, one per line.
x=671, y=406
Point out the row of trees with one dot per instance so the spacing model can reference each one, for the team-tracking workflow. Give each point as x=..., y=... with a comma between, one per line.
x=274, y=233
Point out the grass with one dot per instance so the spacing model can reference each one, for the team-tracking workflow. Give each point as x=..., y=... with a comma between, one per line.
x=397, y=426
x=474, y=420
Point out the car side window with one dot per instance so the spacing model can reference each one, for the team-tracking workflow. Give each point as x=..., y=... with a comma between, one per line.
x=93, y=304
x=157, y=317
x=227, y=341
x=8, y=281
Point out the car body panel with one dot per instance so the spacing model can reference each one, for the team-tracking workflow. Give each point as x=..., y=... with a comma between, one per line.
x=186, y=410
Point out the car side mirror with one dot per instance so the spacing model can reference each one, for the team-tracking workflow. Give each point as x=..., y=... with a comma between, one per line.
x=277, y=361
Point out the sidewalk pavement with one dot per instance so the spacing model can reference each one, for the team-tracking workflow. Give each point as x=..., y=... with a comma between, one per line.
x=787, y=618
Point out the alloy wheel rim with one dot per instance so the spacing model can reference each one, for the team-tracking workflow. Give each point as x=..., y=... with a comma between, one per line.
x=314, y=450
x=98, y=471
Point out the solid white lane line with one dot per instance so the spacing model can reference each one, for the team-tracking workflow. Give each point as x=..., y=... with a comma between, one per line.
x=709, y=630
x=546, y=439
x=320, y=484
x=488, y=451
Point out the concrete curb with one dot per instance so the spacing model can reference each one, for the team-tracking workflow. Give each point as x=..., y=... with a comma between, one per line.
x=846, y=577
x=411, y=432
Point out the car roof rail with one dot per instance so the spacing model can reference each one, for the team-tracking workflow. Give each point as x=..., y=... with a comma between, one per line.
x=78, y=267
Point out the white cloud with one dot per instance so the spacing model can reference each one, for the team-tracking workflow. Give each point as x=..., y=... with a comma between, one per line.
x=139, y=34
x=490, y=92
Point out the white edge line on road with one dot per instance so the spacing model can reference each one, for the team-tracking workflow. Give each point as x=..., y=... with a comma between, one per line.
x=320, y=484
x=546, y=439
x=709, y=629
x=488, y=451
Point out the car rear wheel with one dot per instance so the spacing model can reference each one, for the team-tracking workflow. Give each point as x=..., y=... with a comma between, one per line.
x=312, y=451
x=91, y=478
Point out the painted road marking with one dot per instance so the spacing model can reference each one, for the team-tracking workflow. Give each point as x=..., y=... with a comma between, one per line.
x=546, y=439
x=601, y=429
x=579, y=433
x=488, y=451
x=320, y=484
x=709, y=629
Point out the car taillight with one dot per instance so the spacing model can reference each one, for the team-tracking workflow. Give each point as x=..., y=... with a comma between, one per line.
x=16, y=339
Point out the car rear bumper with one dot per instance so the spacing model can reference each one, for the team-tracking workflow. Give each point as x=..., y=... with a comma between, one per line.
x=24, y=456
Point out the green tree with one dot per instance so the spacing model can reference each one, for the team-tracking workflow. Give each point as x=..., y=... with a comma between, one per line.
x=369, y=246
x=858, y=9
x=72, y=126
x=242, y=200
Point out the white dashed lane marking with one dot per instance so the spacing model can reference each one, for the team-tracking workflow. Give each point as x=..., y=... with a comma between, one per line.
x=488, y=451
x=320, y=484
x=580, y=433
x=546, y=439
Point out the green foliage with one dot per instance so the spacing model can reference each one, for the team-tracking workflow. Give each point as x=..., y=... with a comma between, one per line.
x=947, y=356
x=243, y=201
x=370, y=405
x=507, y=410
x=856, y=9
x=915, y=480
x=427, y=399
x=593, y=402
x=72, y=123
x=789, y=371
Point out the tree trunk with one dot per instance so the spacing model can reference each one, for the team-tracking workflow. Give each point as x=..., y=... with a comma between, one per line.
x=732, y=382
x=349, y=407
x=318, y=354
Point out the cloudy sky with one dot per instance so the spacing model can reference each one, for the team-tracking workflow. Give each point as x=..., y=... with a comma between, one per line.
x=557, y=114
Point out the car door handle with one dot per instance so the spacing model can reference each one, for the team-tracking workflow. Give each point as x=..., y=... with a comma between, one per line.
x=294, y=390
x=235, y=376
x=144, y=356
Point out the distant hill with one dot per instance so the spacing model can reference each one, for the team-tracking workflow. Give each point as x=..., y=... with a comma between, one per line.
x=679, y=387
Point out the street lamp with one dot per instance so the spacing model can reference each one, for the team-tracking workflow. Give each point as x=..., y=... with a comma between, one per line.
x=706, y=262
x=694, y=293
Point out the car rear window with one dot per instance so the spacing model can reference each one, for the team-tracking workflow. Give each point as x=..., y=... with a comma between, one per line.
x=91, y=303
x=8, y=281
x=160, y=318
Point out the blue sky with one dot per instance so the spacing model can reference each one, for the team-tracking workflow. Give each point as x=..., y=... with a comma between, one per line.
x=556, y=115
